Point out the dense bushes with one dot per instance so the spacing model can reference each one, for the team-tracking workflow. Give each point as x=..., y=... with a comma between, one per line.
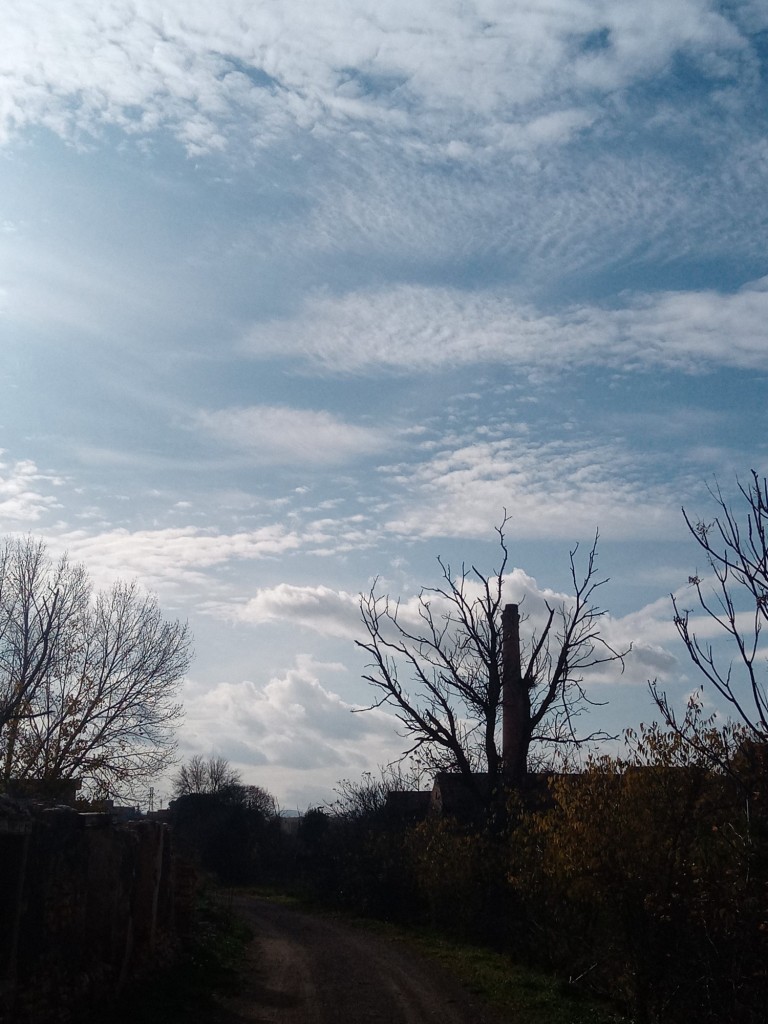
x=224, y=835
x=652, y=879
x=644, y=877
x=460, y=876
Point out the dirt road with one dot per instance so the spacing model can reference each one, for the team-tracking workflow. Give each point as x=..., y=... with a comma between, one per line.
x=303, y=969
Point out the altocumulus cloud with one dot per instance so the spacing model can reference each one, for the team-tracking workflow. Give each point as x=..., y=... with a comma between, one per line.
x=275, y=434
x=413, y=327
x=174, y=555
x=194, y=67
x=556, y=489
x=337, y=613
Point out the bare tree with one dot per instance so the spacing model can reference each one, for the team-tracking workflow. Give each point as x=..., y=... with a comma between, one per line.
x=256, y=798
x=215, y=776
x=211, y=775
x=191, y=777
x=42, y=604
x=733, y=596
x=221, y=775
x=366, y=798
x=450, y=712
x=89, y=683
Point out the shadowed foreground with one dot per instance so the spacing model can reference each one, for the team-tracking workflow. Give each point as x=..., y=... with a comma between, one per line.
x=301, y=969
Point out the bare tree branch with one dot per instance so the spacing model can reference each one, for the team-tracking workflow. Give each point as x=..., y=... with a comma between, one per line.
x=88, y=684
x=211, y=775
x=735, y=598
x=450, y=709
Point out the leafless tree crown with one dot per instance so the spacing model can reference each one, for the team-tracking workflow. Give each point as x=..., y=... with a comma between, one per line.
x=88, y=682
x=200, y=774
x=734, y=596
x=215, y=776
x=450, y=705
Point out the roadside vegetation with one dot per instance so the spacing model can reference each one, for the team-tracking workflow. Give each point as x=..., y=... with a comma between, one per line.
x=642, y=881
x=206, y=965
x=518, y=992
x=636, y=890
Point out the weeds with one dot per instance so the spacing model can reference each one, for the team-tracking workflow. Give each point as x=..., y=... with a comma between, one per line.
x=205, y=967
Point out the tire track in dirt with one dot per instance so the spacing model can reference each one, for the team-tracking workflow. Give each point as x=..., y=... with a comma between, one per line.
x=306, y=969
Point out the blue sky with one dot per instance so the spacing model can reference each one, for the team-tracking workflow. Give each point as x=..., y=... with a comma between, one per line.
x=293, y=296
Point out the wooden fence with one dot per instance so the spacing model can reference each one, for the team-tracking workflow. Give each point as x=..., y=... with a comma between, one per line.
x=85, y=903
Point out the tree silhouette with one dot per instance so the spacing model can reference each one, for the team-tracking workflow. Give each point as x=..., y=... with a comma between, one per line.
x=451, y=708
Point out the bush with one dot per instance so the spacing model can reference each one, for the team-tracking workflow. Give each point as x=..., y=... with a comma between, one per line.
x=650, y=877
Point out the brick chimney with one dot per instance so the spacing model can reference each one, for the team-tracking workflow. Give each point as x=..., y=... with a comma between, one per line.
x=515, y=700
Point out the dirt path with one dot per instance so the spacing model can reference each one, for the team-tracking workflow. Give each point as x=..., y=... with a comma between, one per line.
x=302, y=969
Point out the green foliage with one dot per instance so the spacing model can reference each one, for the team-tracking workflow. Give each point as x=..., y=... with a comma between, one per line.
x=517, y=991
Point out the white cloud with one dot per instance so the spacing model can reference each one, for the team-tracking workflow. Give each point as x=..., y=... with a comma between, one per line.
x=293, y=734
x=658, y=652
x=193, y=67
x=327, y=611
x=337, y=612
x=647, y=638
x=697, y=329
x=550, y=490
x=530, y=220
x=22, y=500
x=413, y=327
x=556, y=126
x=170, y=557
x=650, y=631
x=281, y=435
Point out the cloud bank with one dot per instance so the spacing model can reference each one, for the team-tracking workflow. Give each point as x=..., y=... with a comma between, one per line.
x=506, y=75
x=293, y=733
x=411, y=327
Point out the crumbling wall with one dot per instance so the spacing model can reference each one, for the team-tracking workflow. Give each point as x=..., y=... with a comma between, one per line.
x=85, y=903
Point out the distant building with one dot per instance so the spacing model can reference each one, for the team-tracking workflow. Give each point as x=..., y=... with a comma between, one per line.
x=406, y=807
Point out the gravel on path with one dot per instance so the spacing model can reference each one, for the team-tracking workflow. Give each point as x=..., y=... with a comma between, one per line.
x=306, y=969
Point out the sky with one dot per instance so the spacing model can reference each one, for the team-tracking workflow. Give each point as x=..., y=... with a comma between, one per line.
x=296, y=296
